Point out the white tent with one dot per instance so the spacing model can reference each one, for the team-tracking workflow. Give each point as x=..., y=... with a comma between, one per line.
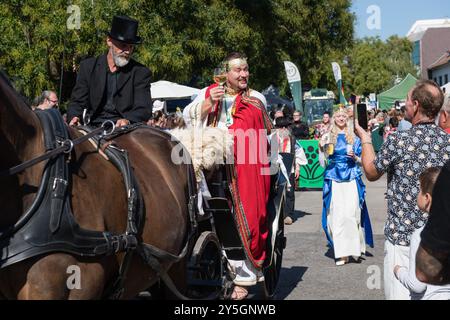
x=169, y=90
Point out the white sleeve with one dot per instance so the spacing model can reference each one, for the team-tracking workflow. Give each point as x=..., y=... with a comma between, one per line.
x=188, y=110
x=407, y=276
x=300, y=156
x=259, y=96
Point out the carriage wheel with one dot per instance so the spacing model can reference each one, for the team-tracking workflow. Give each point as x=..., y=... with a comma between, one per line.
x=206, y=267
x=273, y=270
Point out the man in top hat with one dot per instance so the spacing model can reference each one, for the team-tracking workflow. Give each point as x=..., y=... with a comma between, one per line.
x=113, y=86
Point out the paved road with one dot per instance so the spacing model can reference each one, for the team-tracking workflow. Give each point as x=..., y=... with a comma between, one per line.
x=309, y=271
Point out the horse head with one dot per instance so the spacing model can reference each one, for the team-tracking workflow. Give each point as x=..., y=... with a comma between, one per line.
x=20, y=140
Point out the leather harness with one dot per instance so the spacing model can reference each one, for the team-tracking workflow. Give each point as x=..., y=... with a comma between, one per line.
x=49, y=224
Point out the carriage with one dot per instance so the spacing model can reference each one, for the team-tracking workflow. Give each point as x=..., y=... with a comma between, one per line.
x=217, y=239
x=55, y=217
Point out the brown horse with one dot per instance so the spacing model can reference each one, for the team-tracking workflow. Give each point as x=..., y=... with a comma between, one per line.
x=99, y=203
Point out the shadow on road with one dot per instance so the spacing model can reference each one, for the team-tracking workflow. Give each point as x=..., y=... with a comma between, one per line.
x=289, y=278
x=329, y=253
x=299, y=214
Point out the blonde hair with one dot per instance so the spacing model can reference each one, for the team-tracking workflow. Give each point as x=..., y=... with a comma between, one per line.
x=334, y=130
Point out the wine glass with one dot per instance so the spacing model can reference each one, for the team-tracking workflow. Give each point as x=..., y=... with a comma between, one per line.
x=220, y=76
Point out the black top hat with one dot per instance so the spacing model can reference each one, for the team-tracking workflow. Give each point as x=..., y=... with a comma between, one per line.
x=124, y=29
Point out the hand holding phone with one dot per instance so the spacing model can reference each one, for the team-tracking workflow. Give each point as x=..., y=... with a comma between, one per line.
x=361, y=113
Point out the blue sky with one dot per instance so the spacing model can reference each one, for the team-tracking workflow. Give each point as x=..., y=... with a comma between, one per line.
x=396, y=16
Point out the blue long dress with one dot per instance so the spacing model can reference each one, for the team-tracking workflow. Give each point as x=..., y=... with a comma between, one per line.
x=342, y=168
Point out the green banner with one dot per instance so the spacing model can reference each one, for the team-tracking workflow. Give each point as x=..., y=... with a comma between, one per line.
x=311, y=175
x=296, y=90
x=295, y=84
x=338, y=77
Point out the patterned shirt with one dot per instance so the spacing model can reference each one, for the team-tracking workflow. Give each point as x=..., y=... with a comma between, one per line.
x=404, y=156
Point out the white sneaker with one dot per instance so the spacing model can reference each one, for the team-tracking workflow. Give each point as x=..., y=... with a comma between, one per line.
x=245, y=276
x=342, y=261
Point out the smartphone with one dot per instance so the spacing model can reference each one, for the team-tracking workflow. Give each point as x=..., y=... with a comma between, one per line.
x=361, y=112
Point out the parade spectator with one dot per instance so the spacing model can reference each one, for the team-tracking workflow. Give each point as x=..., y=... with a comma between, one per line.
x=323, y=127
x=113, y=86
x=278, y=114
x=407, y=276
x=444, y=115
x=159, y=120
x=240, y=109
x=284, y=139
x=175, y=121
x=370, y=118
x=381, y=118
x=403, y=124
x=299, y=128
x=345, y=218
x=385, y=117
x=391, y=128
x=377, y=122
x=433, y=255
x=297, y=117
x=47, y=100
x=404, y=156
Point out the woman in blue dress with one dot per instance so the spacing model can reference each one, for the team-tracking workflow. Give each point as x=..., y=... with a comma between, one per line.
x=345, y=218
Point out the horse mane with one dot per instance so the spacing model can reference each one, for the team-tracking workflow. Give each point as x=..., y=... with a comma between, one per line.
x=4, y=79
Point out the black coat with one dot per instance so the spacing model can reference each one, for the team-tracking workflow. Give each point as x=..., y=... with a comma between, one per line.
x=132, y=99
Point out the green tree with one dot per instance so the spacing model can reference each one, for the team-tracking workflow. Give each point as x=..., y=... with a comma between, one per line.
x=376, y=64
x=183, y=39
x=397, y=56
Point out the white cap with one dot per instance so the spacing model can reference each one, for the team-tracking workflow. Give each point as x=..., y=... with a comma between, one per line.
x=158, y=105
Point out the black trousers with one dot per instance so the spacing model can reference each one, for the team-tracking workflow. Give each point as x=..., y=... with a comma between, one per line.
x=290, y=197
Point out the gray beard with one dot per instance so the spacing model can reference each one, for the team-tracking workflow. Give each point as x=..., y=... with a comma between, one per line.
x=119, y=61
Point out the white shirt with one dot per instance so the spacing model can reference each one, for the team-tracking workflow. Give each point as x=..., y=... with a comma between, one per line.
x=407, y=276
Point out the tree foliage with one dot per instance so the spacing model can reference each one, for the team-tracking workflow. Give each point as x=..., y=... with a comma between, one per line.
x=376, y=64
x=183, y=39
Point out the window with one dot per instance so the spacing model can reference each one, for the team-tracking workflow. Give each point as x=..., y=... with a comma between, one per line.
x=416, y=53
x=435, y=80
x=446, y=79
x=440, y=80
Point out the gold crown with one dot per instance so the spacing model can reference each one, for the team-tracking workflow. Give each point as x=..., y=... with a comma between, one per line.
x=341, y=108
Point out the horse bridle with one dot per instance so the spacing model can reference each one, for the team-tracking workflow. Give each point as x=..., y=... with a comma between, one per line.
x=65, y=146
x=150, y=254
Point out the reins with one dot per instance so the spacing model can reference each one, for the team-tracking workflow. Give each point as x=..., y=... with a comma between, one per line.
x=66, y=146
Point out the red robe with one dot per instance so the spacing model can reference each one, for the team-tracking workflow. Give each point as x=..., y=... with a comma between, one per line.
x=250, y=186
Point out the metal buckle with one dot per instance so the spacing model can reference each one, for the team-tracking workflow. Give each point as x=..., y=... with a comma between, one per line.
x=113, y=127
x=68, y=143
x=59, y=180
x=86, y=117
